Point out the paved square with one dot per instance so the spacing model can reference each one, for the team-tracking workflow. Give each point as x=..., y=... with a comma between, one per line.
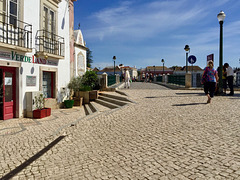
x=166, y=134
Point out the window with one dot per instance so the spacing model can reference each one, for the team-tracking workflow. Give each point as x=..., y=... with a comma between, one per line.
x=48, y=84
x=49, y=20
x=80, y=64
x=2, y=10
x=9, y=8
x=13, y=12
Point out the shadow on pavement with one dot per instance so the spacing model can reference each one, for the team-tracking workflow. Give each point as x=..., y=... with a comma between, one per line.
x=32, y=159
x=190, y=104
x=151, y=97
x=199, y=94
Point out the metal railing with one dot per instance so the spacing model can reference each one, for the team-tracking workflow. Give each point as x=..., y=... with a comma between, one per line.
x=16, y=33
x=111, y=80
x=176, y=79
x=48, y=42
x=159, y=78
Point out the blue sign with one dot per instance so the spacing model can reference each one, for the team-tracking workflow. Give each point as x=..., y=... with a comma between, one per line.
x=192, y=59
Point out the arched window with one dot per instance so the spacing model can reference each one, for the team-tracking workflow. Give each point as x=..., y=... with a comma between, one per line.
x=80, y=64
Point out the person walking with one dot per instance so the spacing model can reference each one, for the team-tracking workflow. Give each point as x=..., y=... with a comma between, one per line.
x=224, y=80
x=230, y=75
x=127, y=79
x=147, y=76
x=209, y=79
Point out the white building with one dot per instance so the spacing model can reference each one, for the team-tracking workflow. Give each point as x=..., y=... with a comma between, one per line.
x=35, y=43
x=80, y=55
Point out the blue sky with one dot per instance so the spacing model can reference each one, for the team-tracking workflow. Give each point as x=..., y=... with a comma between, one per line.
x=142, y=32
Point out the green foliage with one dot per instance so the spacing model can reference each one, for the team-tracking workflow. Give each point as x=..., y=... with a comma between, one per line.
x=40, y=101
x=89, y=58
x=90, y=79
x=85, y=88
x=87, y=82
x=75, y=84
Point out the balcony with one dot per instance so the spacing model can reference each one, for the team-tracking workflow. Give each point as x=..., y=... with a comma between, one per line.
x=50, y=45
x=15, y=34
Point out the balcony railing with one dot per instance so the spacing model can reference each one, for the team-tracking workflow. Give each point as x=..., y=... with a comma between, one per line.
x=50, y=43
x=17, y=33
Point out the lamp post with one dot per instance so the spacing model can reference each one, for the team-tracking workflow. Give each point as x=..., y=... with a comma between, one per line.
x=114, y=58
x=163, y=64
x=187, y=49
x=154, y=70
x=221, y=16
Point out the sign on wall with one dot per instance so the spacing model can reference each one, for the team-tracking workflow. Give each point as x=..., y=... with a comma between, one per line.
x=31, y=80
x=14, y=56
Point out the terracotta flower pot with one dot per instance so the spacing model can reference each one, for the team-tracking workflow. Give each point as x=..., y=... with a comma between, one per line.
x=39, y=113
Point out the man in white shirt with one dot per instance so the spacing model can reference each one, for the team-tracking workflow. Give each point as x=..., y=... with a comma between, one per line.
x=127, y=78
x=230, y=75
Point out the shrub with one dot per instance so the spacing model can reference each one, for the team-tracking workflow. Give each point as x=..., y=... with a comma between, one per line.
x=85, y=88
x=75, y=84
x=90, y=79
x=40, y=101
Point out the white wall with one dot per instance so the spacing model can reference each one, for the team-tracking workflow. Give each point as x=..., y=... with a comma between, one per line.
x=64, y=64
x=77, y=52
x=33, y=18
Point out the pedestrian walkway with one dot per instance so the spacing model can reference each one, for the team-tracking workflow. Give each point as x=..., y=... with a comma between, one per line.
x=165, y=134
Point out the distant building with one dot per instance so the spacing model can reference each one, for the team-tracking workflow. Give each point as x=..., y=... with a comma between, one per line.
x=110, y=70
x=96, y=69
x=192, y=69
x=132, y=71
x=155, y=70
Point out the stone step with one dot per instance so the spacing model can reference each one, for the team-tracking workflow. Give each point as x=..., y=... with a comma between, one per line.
x=115, y=97
x=87, y=109
x=93, y=107
x=90, y=108
x=113, y=100
x=120, y=92
x=107, y=104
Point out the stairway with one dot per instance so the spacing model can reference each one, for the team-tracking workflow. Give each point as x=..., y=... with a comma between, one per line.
x=106, y=101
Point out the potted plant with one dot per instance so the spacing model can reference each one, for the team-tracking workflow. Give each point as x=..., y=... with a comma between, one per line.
x=90, y=82
x=73, y=86
x=68, y=103
x=40, y=111
x=84, y=93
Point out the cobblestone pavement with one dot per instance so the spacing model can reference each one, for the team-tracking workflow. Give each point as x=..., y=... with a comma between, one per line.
x=166, y=134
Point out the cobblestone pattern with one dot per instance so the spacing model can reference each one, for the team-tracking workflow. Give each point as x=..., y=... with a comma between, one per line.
x=166, y=135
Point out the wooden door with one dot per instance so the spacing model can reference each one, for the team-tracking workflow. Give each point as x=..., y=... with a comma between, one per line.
x=9, y=92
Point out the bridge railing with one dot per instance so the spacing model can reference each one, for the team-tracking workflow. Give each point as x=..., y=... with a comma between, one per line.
x=159, y=79
x=176, y=79
x=111, y=80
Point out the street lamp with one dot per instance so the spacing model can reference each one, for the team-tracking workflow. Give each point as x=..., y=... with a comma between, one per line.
x=187, y=49
x=114, y=58
x=154, y=70
x=221, y=16
x=163, y=64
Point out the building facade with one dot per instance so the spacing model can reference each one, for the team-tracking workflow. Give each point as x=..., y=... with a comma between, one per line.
x=35, y=43
x=80, y=54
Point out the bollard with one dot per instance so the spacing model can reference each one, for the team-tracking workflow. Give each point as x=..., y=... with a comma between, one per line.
x=188, y=80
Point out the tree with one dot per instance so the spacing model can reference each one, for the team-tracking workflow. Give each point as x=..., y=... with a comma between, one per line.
x=89, y=57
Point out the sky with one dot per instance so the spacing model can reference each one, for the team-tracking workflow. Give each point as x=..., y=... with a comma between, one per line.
x=143, y=32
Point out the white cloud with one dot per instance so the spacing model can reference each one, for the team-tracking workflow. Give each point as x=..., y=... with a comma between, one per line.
x=143, y=21
x=169, y=25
